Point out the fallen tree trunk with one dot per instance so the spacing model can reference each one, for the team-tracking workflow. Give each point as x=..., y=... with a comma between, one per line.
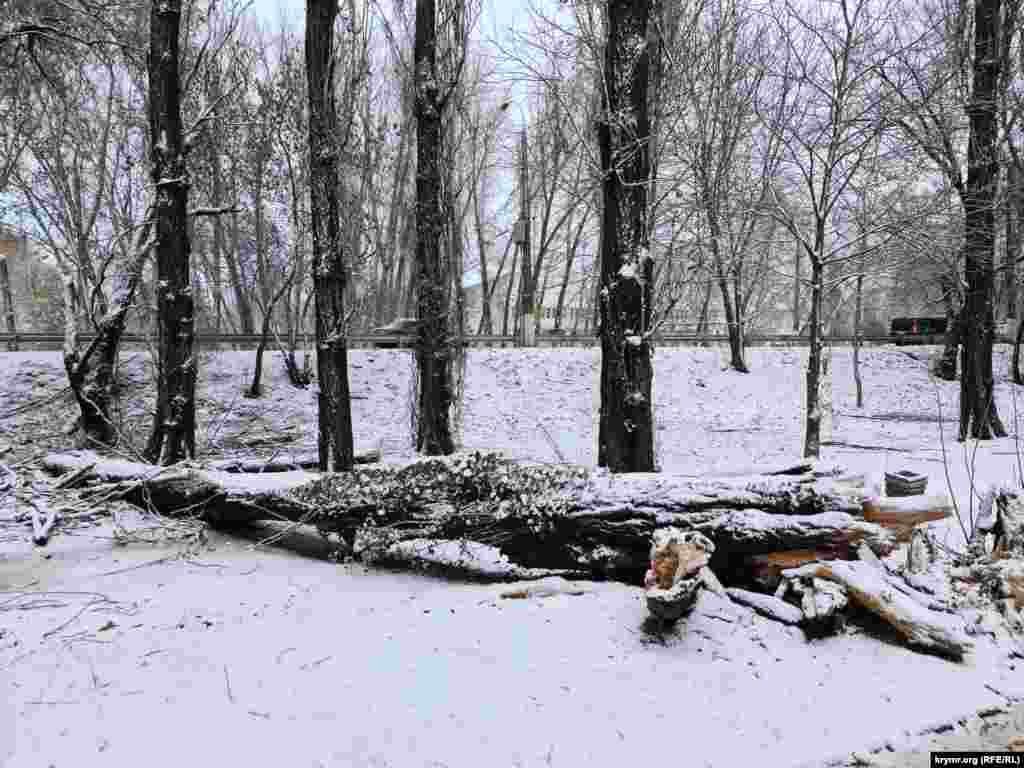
x=538, y=516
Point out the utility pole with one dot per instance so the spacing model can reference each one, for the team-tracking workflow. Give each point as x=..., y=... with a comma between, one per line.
x=521, y=235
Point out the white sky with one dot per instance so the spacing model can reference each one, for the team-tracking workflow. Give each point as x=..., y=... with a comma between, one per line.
x=497, y=14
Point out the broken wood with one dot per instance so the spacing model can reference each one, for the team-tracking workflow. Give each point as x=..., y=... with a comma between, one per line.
x=918, y=625
x=673, y=603
x=42, y=525
x=821, y=604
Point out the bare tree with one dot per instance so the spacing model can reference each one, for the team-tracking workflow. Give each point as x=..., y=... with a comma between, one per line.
x=438, y=59
x=978, y=413
x=734, y=177
x=334, y=405
x=174, y=420
x=829, y=113
x=626, y=431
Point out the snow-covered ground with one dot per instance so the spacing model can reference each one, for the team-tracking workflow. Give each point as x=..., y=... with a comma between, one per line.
x=243, y=656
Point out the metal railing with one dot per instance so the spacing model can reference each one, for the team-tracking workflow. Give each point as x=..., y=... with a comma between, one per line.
x=8, y=340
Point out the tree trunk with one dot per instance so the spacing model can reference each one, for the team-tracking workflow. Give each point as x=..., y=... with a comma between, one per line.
x=486, y=324
x=570, y=258
x=732, y=322
x=1013, y=210
x=979, y=416
x=509, y=292
x=8, y=298
x=488, y=297
x=244, y=306
x=812, y=414
x=92, y=373
x=1018, y=375
x=255, y=390
x=796, y=288
x=538, y=303
x=174, y=422
x=334, y=415
x=626, y=432
x=433, y=351
x=945, y=367
x=857, y=321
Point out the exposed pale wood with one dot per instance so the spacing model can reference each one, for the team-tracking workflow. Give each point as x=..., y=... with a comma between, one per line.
x=677, y=555
x=903, y=513
x=766, y=570
x=918, y=625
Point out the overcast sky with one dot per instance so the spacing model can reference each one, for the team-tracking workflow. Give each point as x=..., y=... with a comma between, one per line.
x=497, y=14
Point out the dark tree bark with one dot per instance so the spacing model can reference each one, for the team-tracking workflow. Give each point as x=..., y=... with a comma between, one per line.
x=1015, y=371
x=796, y=288
x=812, y=422
x=732, y=304
x=1014, y=203
x=245, y=315
x=570, y=258
x=978, y=414
x=256, y=389
x=858, y=321
x=334, y=418
x=626, y=433
x=433, y=351
x=91, y=373
x=486, y=324
x=509, y=291
x=174, y=421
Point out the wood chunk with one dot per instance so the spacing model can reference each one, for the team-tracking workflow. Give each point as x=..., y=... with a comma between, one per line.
x=821, y=604
x=42, y=526
x=766, y=605
x=903, y=513
x=918, y=625
x=766, y=570
x=671, y=604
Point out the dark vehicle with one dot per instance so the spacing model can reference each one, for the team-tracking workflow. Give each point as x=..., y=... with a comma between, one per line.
x=918, y=330
x=401, y=329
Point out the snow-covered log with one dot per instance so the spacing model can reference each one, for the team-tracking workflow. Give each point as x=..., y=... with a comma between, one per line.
x=865, y=585
x=539, y=516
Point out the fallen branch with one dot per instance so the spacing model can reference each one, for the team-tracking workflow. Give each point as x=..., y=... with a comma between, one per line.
x=867, y=587
x=41, y=527
x=309, y=461
x=767, y=605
